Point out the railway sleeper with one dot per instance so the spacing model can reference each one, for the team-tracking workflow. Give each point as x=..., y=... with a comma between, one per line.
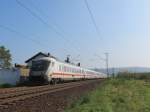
x=4, y=106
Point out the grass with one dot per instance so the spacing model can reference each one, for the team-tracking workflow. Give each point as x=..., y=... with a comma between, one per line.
x=116, y=95
x=6, y=85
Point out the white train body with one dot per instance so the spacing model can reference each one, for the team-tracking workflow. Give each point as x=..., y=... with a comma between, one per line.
x=49, y=69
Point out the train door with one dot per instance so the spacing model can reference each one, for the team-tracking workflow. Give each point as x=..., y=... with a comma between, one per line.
x=51, y=70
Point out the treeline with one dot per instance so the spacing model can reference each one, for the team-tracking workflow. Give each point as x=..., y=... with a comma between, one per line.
x=127, y=75
x=5, y=58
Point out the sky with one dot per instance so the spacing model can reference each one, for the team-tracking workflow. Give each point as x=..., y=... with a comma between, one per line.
x=67, y=29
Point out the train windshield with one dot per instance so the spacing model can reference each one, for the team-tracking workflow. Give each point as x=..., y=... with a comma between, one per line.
x=40, y=65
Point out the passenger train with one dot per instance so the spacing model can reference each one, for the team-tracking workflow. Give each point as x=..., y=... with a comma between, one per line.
x=51, y=70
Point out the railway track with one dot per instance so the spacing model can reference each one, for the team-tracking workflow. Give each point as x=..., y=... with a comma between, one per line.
x=12, y=97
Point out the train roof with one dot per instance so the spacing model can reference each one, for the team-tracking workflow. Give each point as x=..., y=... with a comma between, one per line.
x=46, y=58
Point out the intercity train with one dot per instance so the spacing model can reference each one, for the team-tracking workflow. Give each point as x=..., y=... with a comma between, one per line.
x=51, y=70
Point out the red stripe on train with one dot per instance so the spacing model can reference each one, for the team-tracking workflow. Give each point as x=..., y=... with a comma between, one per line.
x=67, y=74
x=70, y=74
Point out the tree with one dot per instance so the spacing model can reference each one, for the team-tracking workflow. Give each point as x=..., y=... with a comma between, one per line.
x=5, y=57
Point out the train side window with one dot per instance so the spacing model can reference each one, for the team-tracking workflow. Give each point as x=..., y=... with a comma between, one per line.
x=59, y=68
x=62, y=68
x=65, y=69
x=69, y=69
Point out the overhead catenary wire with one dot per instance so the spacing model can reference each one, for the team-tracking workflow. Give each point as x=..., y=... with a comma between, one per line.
x=23, y=36
x=52, y=21
x=94, y=22
x=44, y=14
x=38, y=17
x=92, y=17
x=60, y=35
x=27, y=37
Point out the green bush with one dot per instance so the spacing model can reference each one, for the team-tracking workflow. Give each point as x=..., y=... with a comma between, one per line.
x=126, y=75
x=6, y=85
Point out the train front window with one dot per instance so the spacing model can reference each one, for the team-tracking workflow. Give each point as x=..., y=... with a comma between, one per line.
x=40, y=65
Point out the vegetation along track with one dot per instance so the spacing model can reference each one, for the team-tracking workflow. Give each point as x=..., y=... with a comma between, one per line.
x=13, y=96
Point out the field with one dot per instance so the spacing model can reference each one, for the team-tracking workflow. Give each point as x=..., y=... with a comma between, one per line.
x=116, y=95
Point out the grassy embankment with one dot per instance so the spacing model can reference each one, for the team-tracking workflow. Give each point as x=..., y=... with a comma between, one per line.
x=116, y=95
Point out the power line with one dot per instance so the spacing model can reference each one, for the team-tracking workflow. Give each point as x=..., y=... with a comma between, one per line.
x=103, y=59
x=106, y=60
x=22, y=35
x=97, y=30
x=46, y=16
x=42, y=21
x=42, y=13
x=27, y=37
x=38, y=17
x=92, y=18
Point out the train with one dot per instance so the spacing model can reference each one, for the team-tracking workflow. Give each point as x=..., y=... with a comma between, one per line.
x=53, y=71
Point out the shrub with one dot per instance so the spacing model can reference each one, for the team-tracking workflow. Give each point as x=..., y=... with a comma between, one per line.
x=127, y=75
x=6, y=85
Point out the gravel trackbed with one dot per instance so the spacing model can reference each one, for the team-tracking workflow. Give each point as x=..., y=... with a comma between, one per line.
x=51, y=102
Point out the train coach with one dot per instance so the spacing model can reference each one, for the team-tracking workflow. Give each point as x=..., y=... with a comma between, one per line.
x=51, y=70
